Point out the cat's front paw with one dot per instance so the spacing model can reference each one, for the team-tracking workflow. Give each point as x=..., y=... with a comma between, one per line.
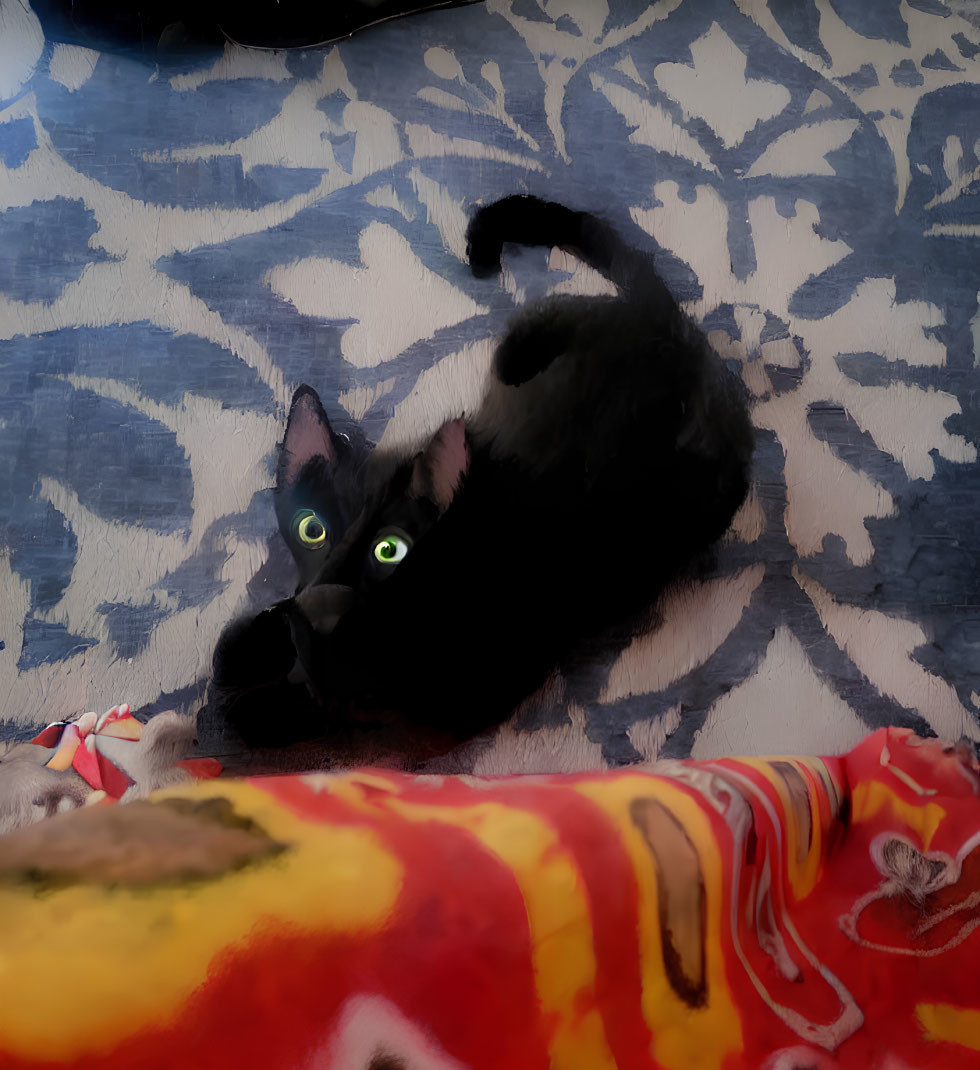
x=254, y=651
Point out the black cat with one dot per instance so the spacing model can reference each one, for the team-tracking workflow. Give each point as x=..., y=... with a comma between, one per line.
x=611, y=450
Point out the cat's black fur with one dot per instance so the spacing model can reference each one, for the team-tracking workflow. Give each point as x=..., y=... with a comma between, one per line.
x=611, y=451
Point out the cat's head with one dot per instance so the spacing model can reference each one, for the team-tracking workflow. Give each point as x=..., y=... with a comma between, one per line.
x=352, y=518
x=353, y=521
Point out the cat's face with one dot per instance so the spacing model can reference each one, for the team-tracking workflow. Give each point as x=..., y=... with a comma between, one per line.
x=352, y=523
x=346, y=519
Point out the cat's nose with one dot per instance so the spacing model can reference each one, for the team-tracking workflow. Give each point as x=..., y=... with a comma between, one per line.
x=322, y=606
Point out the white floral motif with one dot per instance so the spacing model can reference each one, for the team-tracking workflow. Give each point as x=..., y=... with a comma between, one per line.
x=444, y=64
x=788, y=252
x=891, y=101
x=327, y=289
x=715, y=88
x=559, y=54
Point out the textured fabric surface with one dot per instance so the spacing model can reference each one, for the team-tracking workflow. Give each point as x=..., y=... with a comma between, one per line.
x=179, y=249
x=745, y=913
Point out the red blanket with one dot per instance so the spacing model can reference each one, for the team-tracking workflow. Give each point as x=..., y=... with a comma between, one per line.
x=786, y=913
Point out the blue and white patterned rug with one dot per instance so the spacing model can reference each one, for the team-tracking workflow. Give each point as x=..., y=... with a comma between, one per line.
x=180, y=248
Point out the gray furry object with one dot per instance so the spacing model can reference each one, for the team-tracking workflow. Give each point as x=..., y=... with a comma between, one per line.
x=29, y=791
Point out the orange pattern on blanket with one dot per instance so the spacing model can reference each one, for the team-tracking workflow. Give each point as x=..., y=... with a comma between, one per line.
x=781, y=913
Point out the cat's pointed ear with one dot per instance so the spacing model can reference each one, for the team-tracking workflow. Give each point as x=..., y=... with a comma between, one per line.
x=308, y=436
x=439, y=469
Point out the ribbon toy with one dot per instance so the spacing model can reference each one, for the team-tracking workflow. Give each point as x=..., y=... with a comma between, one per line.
x=76, y=744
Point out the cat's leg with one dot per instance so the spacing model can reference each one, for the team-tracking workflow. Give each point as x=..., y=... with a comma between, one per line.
x=254, y=651
x=545, y=331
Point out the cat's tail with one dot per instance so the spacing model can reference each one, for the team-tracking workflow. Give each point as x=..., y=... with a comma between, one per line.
x=527, y=220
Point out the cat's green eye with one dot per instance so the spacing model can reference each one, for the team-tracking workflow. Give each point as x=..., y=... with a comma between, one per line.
x=391, y=549
x=309, y=529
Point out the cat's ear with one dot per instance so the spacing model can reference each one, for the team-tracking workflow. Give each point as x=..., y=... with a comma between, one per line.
x=308, y=436
x=439, y=469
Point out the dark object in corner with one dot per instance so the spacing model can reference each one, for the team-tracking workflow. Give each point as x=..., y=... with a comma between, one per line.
x=161, y=30
x=438, y=591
